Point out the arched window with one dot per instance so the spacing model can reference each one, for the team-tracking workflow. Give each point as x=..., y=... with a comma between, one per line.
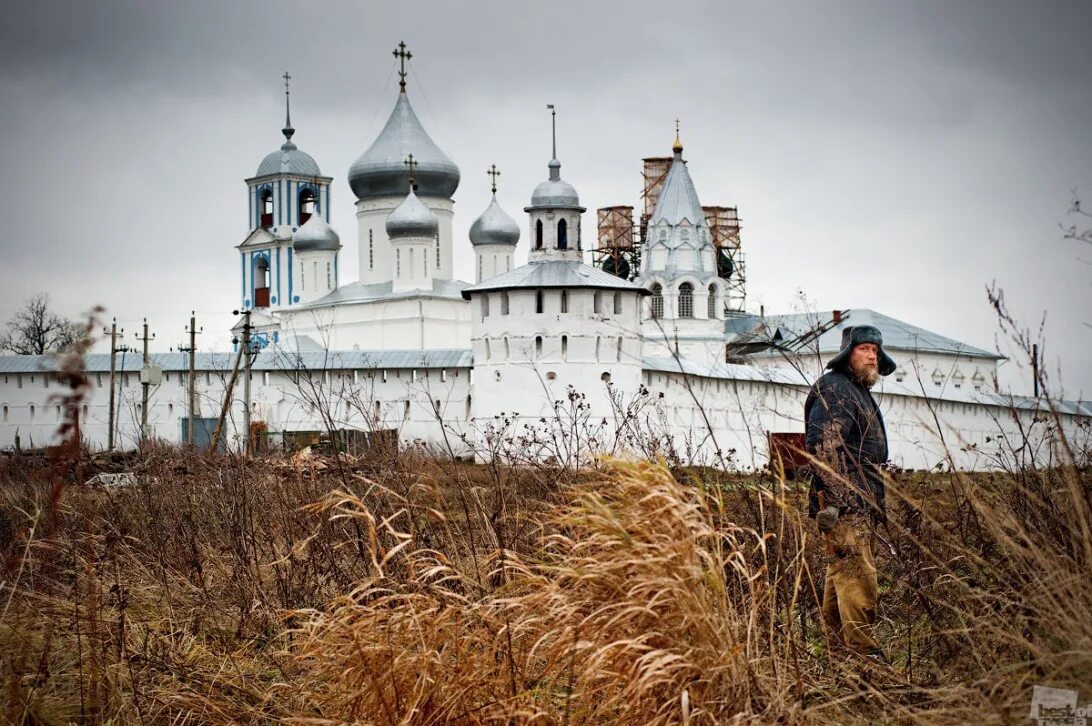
x=306, y=204
x=538, y=301
x=485, y=305
x=562, y=235
x=564, y=346
x=538, y=346
x=261, y=283
x=564, y=301
x=504, y=303
x=597, y=302
x=266, y=207
x=488, y=350
x=538, y=235
x=618, y=352
x=657, y=300
x=617, y=303
x=686, y=300
x=711, y=312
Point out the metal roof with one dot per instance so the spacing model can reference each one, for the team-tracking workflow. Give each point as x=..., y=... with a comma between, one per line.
x=733, y=371
x=358, y=292
x=316, y=235
x=381, y=170
x=288, y=160
x=554, y=193
x=555, y=274
x=412, y=218
x=897, y=335
x=267, y=360
x=678, y=198
x=494, y=227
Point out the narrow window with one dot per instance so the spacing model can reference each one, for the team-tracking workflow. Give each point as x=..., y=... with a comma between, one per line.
x=481, y=268
x=686, y=300
x=711, y=312
x=377, y=410
x=437, y=252
x=405, y=412
x=562, y=235
x=618, y=352
x=507, y=350
x=564, y=301
x=598, y=340
x=538, y=346
x=424, y=258
x=564, y=346
x=485, y=305
x=538, y=235
x=5, y=414
x=657, y=301
x=411, y=272
x=597, y=302
x=314, y=274
x=504, y=303
x=398, y=263
x=371, y=251
x=329, y=277
x=508, y=263
x=32, y=412
x=538, y=301
x=617, y=303
x=488, y=350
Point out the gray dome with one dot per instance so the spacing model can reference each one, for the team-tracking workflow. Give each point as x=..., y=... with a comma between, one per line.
x=381, y=170
x=412, y=218
x=315, y=235
x=554, y=193
x=494, y=227
x=288, y=160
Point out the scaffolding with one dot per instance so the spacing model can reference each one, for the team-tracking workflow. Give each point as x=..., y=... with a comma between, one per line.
x=724, y=229
x=653, y=174
x=616, y=251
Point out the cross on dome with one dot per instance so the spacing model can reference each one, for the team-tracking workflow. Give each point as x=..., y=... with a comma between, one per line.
x=494, y=172
x=677, y=147
x=411, y=165
x=402, y=55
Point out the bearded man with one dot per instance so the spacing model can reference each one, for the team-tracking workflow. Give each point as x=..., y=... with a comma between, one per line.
x=846, y=437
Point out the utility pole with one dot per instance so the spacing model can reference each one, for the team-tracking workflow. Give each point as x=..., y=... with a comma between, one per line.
x=145, y=385
x=192, y=350
x=246, y=379
x=114, y=350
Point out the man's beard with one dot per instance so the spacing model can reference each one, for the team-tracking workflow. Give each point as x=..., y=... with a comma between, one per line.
x=866, y=374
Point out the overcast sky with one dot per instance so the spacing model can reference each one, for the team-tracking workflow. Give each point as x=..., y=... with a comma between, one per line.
x=897, y=156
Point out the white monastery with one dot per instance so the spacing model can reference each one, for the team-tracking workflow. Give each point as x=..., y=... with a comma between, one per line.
x=537, y=358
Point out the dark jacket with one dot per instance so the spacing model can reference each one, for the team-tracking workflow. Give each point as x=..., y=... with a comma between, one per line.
x=845, y=429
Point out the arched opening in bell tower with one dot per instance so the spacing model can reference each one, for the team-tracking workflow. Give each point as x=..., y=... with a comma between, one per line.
x=306, y=204
x=538, y=235
x=562, y=235
x=261, y=283
x=265, y=206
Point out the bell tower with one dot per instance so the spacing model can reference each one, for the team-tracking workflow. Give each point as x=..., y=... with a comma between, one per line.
x=286, y=191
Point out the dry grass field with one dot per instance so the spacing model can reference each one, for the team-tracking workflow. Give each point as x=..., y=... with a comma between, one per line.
x=403, y=588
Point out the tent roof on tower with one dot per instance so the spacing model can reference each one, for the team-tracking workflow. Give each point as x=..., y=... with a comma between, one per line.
x=678, y=198
x=555, y=274
x=357, y=292
x=381, y=170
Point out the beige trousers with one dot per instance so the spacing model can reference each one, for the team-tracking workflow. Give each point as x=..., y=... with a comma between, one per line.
x=850, y=591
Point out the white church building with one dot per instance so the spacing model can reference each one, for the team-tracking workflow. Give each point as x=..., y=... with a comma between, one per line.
x=548, y=357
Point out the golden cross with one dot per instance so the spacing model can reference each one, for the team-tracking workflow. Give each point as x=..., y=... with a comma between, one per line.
x=402, y=55
x=411, y=164
x=494, y=172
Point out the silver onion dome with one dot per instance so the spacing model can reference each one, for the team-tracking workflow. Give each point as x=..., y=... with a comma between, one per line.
x=381, y=172
x=315, y=235
x=494, y=227
x=412, y=218
x=288, y=160
x=554, y=193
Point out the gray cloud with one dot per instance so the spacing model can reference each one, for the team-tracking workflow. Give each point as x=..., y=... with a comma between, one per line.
x=897, y=156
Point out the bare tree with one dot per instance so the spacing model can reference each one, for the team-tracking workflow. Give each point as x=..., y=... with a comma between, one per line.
x=36, y=330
